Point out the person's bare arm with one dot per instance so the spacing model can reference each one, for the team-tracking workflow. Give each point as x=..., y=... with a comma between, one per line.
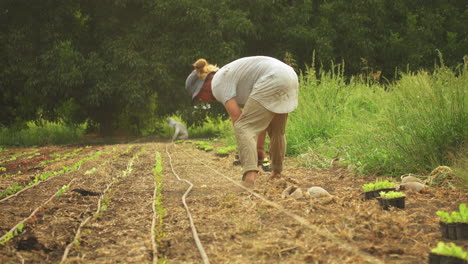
x=233, y=109
x=176, y=133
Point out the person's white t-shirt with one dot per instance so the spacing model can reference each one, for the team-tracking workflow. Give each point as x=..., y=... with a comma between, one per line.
x=267, y=80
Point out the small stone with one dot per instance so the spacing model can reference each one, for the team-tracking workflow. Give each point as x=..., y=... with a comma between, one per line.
x=316, y=191
x=286, y=192
x=410, y=178
x=412, y=186
x=297, y=194
x=292, y=192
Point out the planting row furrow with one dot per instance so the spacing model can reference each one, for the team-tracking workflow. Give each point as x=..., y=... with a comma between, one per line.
x=15, y=187
x=198, y=243
x=178, y=242
x=22, y=179
x=122, y=219
x=51, y=227
x=17, y=155
x=49, y=192
x=158, y=210
x=32, y=160
x=18, y=228
x=36, y=160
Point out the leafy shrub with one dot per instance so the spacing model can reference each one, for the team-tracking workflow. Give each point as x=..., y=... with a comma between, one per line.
x=378, y=185
x=454, y=217
x=451, y=250
x=391, y=195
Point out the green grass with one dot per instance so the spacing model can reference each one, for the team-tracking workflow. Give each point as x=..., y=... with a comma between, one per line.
x=412, y=125
x=34, y=135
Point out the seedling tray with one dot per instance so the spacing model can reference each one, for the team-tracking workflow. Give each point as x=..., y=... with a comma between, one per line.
x=454, y=231
x=441, y=259
x=395, y=202
x=375, y=194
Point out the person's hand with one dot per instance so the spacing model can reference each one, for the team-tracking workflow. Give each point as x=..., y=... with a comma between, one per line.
x=233, y=109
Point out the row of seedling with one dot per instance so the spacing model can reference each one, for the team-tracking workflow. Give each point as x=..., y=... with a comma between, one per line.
x=41, y=160
x=18, y=228
x=58, y=157
x=157, y=232
x=219, y=151
x=15, y=188
x=15, y=156
x=454, y=226
x=19, y=154
x=103, y=201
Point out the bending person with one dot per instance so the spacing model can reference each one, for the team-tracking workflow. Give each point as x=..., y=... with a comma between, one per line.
x=180, y=131
x=266, y=89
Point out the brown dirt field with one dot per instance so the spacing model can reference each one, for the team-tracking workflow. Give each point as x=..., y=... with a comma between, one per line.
x=109, y=204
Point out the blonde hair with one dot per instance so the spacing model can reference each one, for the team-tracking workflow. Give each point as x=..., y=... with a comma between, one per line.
x=202, y=68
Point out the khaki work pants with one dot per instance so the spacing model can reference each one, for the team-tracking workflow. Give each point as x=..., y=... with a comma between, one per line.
x=253, y=120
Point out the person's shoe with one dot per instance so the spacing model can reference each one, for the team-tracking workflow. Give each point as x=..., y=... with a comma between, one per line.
x=265, y=164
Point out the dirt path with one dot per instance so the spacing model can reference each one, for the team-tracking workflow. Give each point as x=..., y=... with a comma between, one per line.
x=106, y=214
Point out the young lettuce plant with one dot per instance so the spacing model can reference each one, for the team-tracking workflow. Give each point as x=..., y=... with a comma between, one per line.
x=450, y=250
x=454, y=217
x=378, y=185
x=391, y=195
x=62, y=190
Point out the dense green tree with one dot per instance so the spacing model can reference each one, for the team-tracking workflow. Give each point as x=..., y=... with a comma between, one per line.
x=122, y=64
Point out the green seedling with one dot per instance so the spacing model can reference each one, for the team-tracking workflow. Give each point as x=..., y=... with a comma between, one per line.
x=42, y=177
x=391, y=195
x=91, y=171
x=2, y=168
x=450, y=250
x=208, y=148
x=378, y=185
x=12, y=190
x=222, y=151
x=62, y=190
x=9, y=235
x=6, y=175
x=158, y=199
x=454, y=217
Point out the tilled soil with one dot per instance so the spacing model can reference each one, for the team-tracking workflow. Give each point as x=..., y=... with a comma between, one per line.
x=105, y=215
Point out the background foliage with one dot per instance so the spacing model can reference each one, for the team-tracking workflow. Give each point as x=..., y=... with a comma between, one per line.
x=122, y=64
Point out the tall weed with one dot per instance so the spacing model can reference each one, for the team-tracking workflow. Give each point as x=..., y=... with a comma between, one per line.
x=412, y=125
x=34, y=135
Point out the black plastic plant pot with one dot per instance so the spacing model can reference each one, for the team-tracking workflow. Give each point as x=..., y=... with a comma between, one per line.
x=395, y=202
x=375, y=194
x=441, y=259
x=454, y=231
x=462, y=231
